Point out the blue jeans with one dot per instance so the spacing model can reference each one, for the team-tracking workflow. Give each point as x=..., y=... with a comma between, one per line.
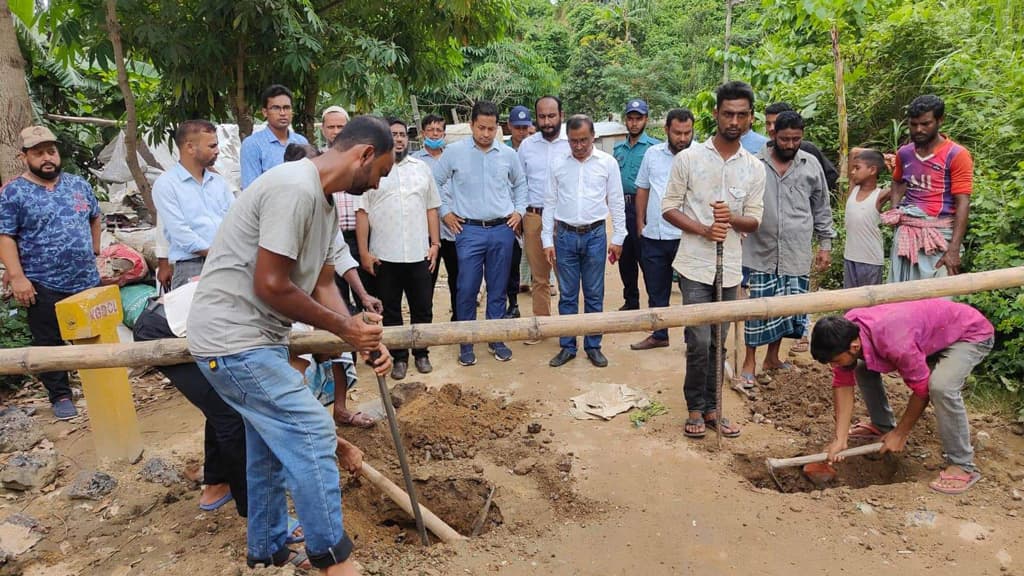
x=289, y=443
x=579, y=259
x=483, y=252
x=656, y=258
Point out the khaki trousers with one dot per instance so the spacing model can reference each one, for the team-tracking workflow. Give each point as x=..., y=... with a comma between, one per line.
x=540, y=270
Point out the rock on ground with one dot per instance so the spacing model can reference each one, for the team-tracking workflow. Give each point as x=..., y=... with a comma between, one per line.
x=90, y=485
x=28, y=470
x=18, y=431
x=525, y=466
x=158, y=471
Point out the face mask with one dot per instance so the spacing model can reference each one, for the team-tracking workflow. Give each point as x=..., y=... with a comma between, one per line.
x=433, y=143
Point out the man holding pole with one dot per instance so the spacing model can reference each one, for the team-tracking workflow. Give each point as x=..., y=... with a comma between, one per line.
x=269, y=266
x=715, y=192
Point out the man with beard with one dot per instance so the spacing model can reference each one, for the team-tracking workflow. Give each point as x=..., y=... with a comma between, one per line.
x=263, y=150
x=659, y=240
x=715, y=193
x=537, y=154
x=270, y=266
x=630, y=154
x=931, y=188
x=771, y=112
x=399, y=238
x=49, y=238
x=796, y=209
x=483, y=206
x=191, y=200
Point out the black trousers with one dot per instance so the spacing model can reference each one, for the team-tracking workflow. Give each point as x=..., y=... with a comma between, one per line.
x=224, y=435
x=513, y=275
x=629, y=261
x=450, y=258
x=42, y=323
x=347, y=294
x=413, y=279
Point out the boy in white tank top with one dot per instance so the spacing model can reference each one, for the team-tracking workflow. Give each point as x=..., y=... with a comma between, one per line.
x=863, y=256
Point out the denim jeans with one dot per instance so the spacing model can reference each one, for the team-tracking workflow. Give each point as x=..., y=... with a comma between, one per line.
x=950, y=369
x=290, y=444
x=483, y=252
x=579, y=259
x=656, y=261
x=699, y=387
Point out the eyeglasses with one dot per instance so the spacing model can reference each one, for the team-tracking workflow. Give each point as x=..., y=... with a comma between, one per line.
x=278, y=109
x=399, y=135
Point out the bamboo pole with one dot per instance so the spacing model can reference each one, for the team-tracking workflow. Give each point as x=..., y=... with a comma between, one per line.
x=174, y=351
x=446, y=533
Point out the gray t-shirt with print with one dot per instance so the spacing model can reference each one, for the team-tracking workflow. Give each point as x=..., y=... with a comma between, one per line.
x=286, y=212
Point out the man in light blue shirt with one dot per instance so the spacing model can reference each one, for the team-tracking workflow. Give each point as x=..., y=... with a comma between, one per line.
x=630, y=154
x=659, y=240
x=263, y=150
x=191, y=201
x=753, y=141
x=483, y=205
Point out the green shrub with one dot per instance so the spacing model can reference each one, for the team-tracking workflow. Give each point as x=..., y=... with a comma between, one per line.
x=13, y=334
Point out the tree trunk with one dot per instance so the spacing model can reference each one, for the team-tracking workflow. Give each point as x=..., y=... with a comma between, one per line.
x=131, y=131
x=239, y=105
x=728, y=40
x=844, y=137
x=310, y=93
x=32, y=360
x=15, y=106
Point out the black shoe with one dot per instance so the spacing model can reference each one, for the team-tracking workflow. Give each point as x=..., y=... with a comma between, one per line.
x=399, y=369
x=512, y=312
x=596, y=358
x=423, y=365
x=562, y=357
x=628, y=306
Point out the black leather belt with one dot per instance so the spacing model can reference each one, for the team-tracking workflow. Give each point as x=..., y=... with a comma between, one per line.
x=485, y=223
x=534, y=210
x=581, y=229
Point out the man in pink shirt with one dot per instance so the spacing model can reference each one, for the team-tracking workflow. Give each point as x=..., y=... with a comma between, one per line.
x=933, y=344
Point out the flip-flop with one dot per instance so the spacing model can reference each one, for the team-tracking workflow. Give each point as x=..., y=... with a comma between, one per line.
x=695, y=422
x=865, y=431
x=747, y=380
x=357, y=420
x=713, y=425
x=293, y=525
x=781, y=367
x=966, y=480
x=216, y=504
x=800, y=346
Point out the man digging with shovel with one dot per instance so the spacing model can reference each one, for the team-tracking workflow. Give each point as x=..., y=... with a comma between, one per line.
x=933, y=344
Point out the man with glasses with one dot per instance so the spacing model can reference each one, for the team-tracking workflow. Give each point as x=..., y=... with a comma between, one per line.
x=263, y=150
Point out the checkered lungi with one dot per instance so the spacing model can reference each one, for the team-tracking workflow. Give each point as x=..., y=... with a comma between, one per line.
x=763, y=285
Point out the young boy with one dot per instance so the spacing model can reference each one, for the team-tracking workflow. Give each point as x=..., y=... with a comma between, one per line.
x=863, y=256
x=933, y=344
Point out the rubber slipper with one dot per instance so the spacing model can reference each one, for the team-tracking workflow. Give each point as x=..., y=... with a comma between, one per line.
x=966, y=480
x=800, y=346
x=865, y=431
x=293, y=525
x=781, y=367
x=747, y=380
x=713, y=425
x=695, y=422
x=357, y=420
x=216, y=504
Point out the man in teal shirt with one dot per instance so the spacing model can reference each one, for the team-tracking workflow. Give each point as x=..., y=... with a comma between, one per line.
x=630, y=154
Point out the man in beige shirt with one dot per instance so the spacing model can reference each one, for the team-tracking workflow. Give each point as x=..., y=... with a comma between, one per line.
x=715, y=192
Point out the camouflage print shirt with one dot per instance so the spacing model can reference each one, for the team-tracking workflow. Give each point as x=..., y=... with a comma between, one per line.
x=52, y=229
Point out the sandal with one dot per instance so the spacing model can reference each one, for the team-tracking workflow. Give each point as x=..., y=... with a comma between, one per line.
x=727, y=429
x=216, y=504
x=294, y=526
x=802, y=346
x=282, y=557
x=964, y=482
x=865, y=431
x=695, y=423
x=747, y=380
x=780, y=368
x=357, y=420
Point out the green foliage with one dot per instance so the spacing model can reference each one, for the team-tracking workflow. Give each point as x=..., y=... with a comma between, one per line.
x=643, y=416
x=13, y=334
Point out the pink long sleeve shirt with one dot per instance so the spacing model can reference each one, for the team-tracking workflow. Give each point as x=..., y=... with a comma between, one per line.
x=901, y=336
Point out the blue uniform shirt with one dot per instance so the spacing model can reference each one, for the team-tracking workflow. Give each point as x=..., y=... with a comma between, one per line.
x=630, y=158
x=261, y=151
x=478, y=184
x=190, y=211
x=52, y=229
x=753, y=142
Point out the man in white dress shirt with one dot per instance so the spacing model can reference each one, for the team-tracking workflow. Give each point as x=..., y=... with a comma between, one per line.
x=585, y=187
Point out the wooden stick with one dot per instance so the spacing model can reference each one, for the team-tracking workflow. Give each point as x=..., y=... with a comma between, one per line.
x=175, y=351
x=776, y=463
x=443, y=531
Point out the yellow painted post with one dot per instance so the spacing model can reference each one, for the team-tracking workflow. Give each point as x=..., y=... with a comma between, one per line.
x=91, y=317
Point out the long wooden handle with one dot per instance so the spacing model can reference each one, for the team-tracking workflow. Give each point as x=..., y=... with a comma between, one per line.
x=443, y=531
x=776, y=463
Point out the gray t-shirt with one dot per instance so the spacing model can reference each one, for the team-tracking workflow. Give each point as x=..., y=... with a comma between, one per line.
x=286, y=212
